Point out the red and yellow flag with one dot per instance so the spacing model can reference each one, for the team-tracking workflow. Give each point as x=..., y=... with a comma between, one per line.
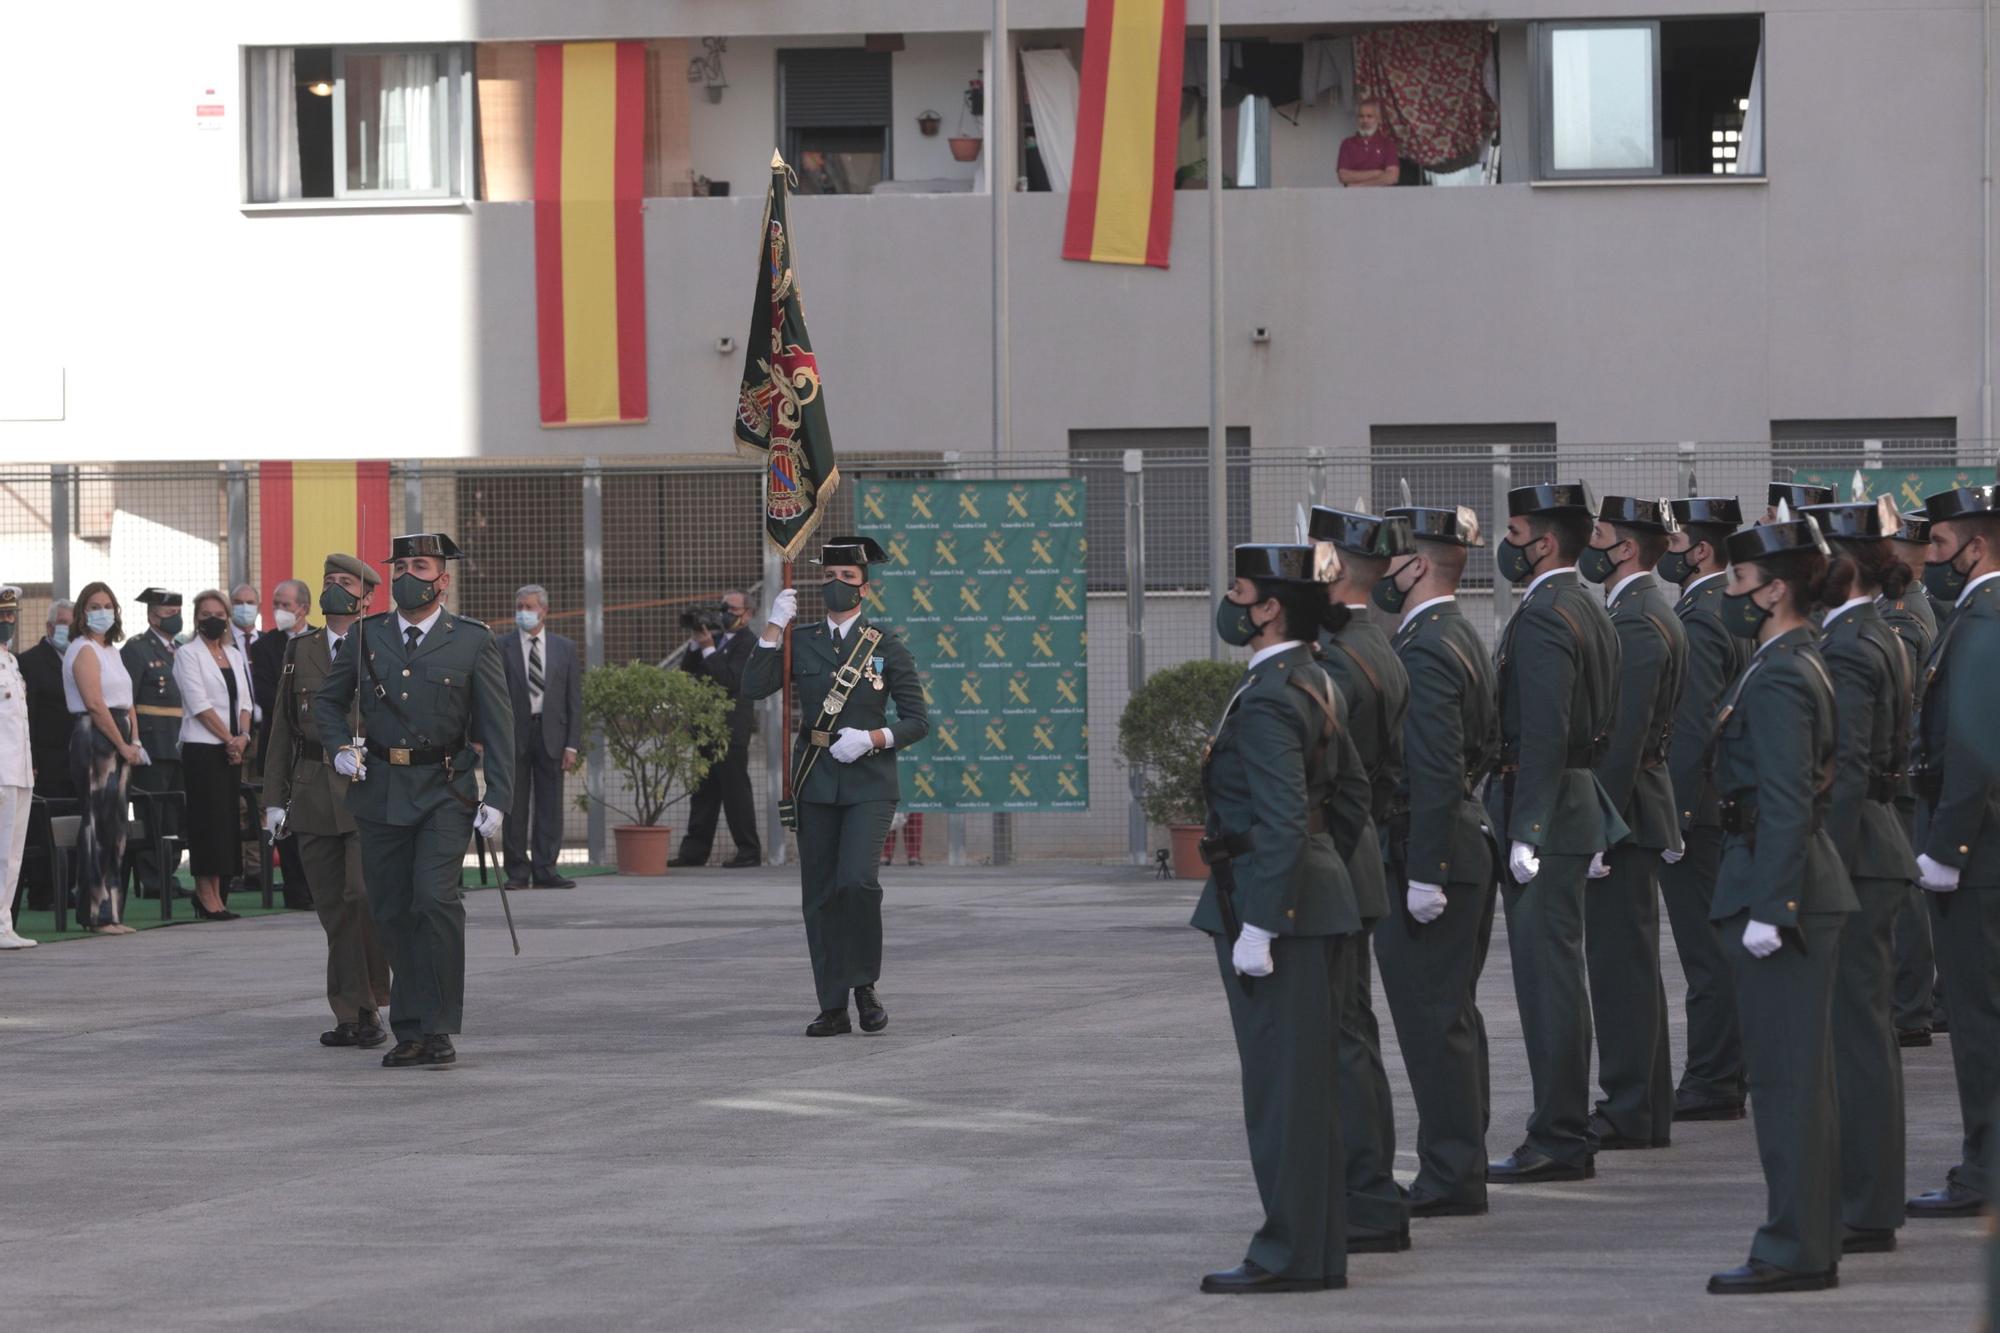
x=1121, y=200
x=308, y=511
x=590, y=255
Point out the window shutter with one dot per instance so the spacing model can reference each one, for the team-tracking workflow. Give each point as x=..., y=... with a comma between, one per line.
x=835, y=87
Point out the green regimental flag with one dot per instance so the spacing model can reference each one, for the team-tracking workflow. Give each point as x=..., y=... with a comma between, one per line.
x=985, y=580
x=1907, y=485
x=780, y=408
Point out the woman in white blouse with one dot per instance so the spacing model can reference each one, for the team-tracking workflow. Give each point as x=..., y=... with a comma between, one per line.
x=215, y=732
x=103, y=750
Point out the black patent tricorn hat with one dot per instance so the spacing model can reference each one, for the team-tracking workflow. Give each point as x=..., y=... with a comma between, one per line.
x=1915, y=531
x=413, y=544
x=1722, y=511
x=1856, y=521
x=1770, y=539
x=1798, y=494
x=1960, y=502
x=1375, y=535
x=1551, y=497
x=1277, y=563
x=1456, y=527
x=160, y=597
x=1631, y=512
x=861, y=551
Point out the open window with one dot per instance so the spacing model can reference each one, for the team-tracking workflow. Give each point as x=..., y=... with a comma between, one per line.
x=359, y=123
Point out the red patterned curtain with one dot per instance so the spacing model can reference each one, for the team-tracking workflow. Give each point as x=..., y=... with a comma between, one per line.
x=1431, y=81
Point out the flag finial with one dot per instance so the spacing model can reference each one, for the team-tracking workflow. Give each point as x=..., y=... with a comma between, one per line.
x=777, y=160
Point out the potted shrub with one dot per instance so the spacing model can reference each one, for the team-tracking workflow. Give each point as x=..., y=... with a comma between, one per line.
x=1162, y=733
x=662, y=730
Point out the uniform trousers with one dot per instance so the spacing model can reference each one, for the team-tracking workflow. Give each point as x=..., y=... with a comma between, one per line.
x=1285, y=1032
x=840, y=849
x=1966, y=926
x=1367, y=1111
x=1545, y=941
x=357, y=967
x=1713, y=1071
x=1919, y=987
x=15, y=805
x=1787, y=1029
x=1867, y=1063
x=1628, y=1001
x=413, y=872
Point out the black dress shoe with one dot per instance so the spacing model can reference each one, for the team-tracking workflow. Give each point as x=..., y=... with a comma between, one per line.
x=743, y=861
x=405, y=1055
x=1249, y=1279
x=1758, y=1278
x=1867, y=1240
x=1377, y=1242
x=343, y=1034
x=1954, y=1200
x=438, y=1050
x=368, y=1032
x=1432, y=1205
x=1940, y=1026
x=1527, y=1167
x=1913, y=1036
x=518, y=885
x=1689, y=1106
x=555, y=882
x=686, y=863
x=830, y=1023
x=873, y=1016
x=1606, y=1136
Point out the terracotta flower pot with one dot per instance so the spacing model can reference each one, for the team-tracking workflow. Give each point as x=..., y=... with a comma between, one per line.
x=964, y=148
x=642, y=849
x=1187, y=851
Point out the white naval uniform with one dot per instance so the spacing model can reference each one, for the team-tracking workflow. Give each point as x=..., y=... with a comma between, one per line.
x=17, y=783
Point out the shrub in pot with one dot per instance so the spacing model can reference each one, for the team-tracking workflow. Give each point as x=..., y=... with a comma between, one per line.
x=1162, y=733
x=662, y=731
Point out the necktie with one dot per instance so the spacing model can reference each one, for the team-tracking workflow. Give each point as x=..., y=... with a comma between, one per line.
x=335, y=653
x=535, y=672
x=411, y=638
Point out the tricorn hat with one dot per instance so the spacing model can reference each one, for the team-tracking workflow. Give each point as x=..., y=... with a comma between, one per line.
x=1915, y=530
x=1457, y=526
x=411, y=545
x=1375, y=535
x=1631, y=512
x=1855, y=521
x=1768, y=539
x=1550, y=497
x=862, y=551
x=1961, y=502
x=1798, y=494
x=1279, y=563
x=342, y=563
x=160, y=597
x=1722, y=511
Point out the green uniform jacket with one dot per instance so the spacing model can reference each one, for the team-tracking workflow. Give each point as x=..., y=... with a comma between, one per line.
x=1292, y=881
x=1715, y=658
x=1450, y=737
x=1958, y=746
x=1775, y=741
x=453, y=691
x=1372, y=681
x=1871, y=705
x=315, y=794
x=1653, y=654
x=150, y=663
x=1915, y=623
x=1558, y=669
x=890, y=677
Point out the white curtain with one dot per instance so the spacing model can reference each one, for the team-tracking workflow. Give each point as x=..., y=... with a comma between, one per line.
x=1750, y=147
x=1053, y=94
x=405, y=150
x=274, y=125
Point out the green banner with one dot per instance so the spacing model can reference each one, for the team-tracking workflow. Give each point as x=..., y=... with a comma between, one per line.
x=985, y=580
x=1909, y=485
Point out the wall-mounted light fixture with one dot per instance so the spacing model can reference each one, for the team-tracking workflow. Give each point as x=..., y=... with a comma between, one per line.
x=320, y=89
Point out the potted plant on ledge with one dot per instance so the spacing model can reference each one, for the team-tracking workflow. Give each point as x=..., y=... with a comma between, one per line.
x=662, y=730
x=1162, y=733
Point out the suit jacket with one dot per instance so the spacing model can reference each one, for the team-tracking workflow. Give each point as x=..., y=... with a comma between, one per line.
x=1958, y=811
x=562, y=694
x=1259, y=782
x=49, y=722
x=267, y=660
x=156, y=695
x=815, y=659
x=1653, y=662
x=317, y=795
x=1775, y=740
x=1871, y=707
x=1558, y=665
x=452, y=690
x=1715, y=658
x=1377, y=691
x=725, y=668
x=1450, y=736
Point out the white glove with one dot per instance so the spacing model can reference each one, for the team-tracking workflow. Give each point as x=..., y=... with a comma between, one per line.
x=274, y=819
x=1935, y=875
x=1599, y=870
x=1252, y=954
x=784, y=608
x=1426, y=901
x=1522, y=863
x=1761, y=940
x=851, y=744
x=1672, y=855
x=348, y=764
x=144, y=758
x=486, y=822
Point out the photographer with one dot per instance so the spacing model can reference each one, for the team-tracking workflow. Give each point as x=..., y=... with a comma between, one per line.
x=720, y=647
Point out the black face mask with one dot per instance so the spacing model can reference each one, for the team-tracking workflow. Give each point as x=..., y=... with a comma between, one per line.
x=413, y=593
x=839, y=596
x=212, y=628
x=335, y=600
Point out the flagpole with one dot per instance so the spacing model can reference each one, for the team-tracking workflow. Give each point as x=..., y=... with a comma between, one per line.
x=999, y=179
x=1218, y=463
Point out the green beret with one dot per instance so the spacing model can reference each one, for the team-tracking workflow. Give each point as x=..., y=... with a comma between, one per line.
x=340, y=563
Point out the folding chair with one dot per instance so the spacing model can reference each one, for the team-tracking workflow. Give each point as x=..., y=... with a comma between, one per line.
x=149, y=807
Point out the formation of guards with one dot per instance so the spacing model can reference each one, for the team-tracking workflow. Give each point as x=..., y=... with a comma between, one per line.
x=1777, y=729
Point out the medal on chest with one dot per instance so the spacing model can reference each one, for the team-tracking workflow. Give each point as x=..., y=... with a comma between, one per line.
x=873, y=671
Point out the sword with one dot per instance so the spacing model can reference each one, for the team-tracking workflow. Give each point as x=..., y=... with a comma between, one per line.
x=504, y=907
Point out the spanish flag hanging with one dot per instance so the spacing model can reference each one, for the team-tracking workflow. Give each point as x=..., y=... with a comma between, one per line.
x=1121, y=201
x=590, y=254
x=308, y=511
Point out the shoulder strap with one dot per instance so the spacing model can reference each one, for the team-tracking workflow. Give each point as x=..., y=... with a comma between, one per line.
x=1323, y=701
x=1381, y=707
x=1818, y=672
x=844, y=680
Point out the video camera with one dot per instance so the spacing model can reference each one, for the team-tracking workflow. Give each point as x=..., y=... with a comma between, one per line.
x=710, y=616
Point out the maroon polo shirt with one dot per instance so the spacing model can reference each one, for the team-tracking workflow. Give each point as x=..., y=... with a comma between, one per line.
x=1371, y=152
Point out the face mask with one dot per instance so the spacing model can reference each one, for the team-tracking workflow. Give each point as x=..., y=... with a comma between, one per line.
x=59, y=636
x=101, y=620
x=284, y=619
x=1675, y=567
x=1233, y=624
x=171, y=625
x=1741, y=614
x=839, y=597
x=1596, y=564
x=244, y=614
x=6, y=631
x=413, y=593
x=1943, y=579
x=338, y=601
x=1513, y=562
x=1387, y=594
x=212, y=627
x=527, y=620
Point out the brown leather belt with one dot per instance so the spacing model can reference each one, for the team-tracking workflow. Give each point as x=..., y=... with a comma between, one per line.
x=159, y=710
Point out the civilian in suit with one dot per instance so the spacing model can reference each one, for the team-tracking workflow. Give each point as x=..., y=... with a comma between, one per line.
x=244, y=605
x=291, y=603
x=545, y=683
x=49, y=722
x=719, y=656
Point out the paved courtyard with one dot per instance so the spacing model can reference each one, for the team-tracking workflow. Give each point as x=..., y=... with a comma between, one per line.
x=638, y=1136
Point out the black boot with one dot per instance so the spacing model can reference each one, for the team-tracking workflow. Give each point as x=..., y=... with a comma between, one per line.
x=873, y=1016
x=407, y=1054
x=368, y=1031
x=830, y=1023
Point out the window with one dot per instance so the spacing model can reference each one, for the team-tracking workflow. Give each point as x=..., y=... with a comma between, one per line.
x=1651, y=97
x=1453, y=465
x=1175, y=493
x=834, y=105
x=358, y=122
x=1866, y=442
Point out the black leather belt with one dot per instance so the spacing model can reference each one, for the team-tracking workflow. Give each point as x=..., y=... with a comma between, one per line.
x=398, y=757
x=1740, y=817
x=1225, y=847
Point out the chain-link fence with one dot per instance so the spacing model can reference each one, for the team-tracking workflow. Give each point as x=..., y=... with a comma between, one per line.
x=625, y=548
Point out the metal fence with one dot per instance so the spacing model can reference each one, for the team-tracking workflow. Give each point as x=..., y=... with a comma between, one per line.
x=624, y=547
